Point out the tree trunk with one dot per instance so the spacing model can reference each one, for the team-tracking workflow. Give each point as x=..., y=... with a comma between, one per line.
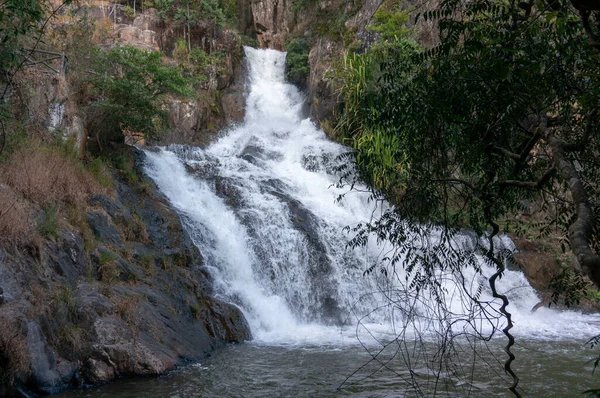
x=581, y=230
x=189, y=32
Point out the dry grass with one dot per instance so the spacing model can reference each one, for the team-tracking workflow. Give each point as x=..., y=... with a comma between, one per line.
x=16, y=221
x=13, y=354
x=37, y=175
x=126, y=307
x=47, y=176
x=108, y=268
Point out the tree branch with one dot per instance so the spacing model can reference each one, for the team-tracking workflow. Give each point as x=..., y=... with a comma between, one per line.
x=530, y=184
x=509, y=324
x=580, y=232
x=506, y=152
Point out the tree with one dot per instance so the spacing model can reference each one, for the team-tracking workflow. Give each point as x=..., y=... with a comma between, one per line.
x=132, y=83
x=503, y=111
x=18, y=20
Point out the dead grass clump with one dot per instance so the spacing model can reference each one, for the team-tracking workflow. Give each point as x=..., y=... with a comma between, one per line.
x=15, y=217
x=108, y=268
x=126, y=307
x=13, y=353
x=47, y=176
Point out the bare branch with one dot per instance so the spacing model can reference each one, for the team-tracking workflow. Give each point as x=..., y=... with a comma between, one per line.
x=506, y=152
x=530, y=184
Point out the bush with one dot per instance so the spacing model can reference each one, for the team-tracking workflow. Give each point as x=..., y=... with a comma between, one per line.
x=200, y=58
x=49, y=225
x=390, y=23
x=129, y=12
x=296, y=61
x=181, y=52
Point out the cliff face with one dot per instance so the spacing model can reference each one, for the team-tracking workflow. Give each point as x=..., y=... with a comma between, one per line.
x=122, y=293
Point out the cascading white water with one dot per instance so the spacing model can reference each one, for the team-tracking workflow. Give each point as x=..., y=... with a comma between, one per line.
x=261, y=205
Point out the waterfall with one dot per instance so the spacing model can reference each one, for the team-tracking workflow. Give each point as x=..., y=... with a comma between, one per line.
x=262, y=206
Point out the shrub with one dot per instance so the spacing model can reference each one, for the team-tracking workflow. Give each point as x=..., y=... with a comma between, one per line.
x=48, y=227
x=390, y=23
x=129, y=12
x=213, y=11
x=296, y=61
x=200, y=58
x=181, y=53
x=108, y=268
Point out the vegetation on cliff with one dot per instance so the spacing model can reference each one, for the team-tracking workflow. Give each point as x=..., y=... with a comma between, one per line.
x=132, y=83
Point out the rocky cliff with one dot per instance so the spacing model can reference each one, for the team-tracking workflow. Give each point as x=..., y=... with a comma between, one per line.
x=122, y=293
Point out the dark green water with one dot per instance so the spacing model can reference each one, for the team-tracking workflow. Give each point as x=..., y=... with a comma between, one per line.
x=546, y=369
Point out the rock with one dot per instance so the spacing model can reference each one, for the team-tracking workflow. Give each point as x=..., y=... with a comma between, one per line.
x=361, y=20
x=74, y=127
x=49, y=374
x=322, y=90
x=103, y=228
x=540, y=268
x=67, y=255
x=226, y=322
x=91, y=304
x=320, y=269
x=183, y=115
x=233, y=101
x=227, y=189
x=114, y=209
x=98, y=372
x=134, y=36
x=270, y=23
x=156, y=314
x=127, y=354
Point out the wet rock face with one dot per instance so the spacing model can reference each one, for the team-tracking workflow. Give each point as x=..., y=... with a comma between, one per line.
x=362, y=19
x=48, y=372
x=322, y=90
x=233, y=97
x=270, y=23
x=320, y=268
x=47, y=101
x=132, y=299
x=538, y=266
